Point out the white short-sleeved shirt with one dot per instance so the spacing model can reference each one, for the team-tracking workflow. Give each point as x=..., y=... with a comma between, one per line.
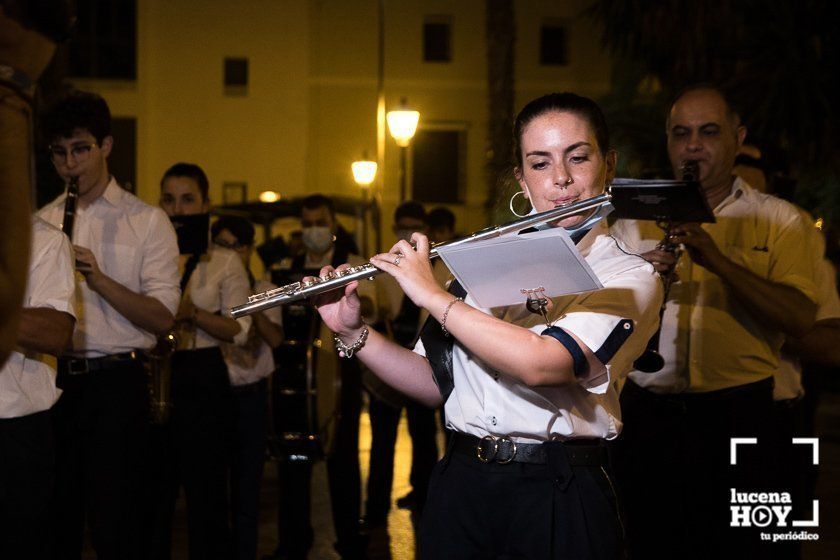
x=709, y=341
x=254, y=360
x=218, y=283
x=487, y=402
x=27, y=380
x=135, y=244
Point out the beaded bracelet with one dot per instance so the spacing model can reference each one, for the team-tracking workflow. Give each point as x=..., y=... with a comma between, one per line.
x=347, y=351
x=446, y=314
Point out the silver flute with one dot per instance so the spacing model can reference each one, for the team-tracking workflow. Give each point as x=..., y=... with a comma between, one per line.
x=311, y=287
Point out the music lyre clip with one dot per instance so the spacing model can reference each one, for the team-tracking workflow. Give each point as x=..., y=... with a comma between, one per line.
x=537, y=303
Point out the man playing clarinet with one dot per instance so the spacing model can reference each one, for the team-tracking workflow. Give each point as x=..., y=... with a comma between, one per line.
x=741, y=286
x=126, y=294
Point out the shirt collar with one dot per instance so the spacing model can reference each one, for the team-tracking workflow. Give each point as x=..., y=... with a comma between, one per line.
x=740, y=188
x=113, y=193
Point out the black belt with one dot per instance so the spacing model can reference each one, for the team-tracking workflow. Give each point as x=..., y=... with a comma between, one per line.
x=502, y=450
x=79, y=366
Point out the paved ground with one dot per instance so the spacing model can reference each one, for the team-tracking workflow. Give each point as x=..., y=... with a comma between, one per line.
x=400, y=545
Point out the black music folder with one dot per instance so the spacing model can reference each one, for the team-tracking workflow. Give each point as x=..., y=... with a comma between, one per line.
x=660, y=201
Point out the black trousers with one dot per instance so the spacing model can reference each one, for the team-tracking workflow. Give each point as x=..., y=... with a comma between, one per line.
x=294, y=527
x=673, y=471
x=247, y=466
x=483, y=511
x=193, y=451
x=27, y=475
x=100, y=425
x=384, y=420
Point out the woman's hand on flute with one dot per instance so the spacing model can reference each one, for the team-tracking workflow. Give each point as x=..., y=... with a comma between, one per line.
x=412, y=269
x=341, y=310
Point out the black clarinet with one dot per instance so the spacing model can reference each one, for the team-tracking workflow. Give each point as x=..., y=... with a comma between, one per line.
x=651, y=361
x=70, y=207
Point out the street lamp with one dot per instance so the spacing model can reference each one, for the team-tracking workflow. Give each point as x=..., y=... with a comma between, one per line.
x=364, y=173
x=402, y=123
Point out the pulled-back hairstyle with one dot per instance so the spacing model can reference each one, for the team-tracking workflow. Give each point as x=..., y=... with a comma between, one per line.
x=192, y=171
x=565, y=102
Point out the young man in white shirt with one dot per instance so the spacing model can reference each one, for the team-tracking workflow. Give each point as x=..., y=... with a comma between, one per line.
x=28, y=391
x=126, y=295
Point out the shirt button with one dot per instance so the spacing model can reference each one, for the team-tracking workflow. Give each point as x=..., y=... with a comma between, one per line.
x=493, y=420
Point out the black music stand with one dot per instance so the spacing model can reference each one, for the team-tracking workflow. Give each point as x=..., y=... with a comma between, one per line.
x=663, y=201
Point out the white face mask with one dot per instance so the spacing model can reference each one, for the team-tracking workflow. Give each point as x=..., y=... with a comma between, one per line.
x=317, y=239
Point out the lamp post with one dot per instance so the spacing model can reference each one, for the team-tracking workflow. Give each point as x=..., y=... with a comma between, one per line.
x=402, y=123
x=364, y=173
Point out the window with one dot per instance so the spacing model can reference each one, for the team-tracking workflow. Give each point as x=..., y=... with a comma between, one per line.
x=554, y=44
x=122, y=163
x=104, y=45
x=439, y=165
x=236, y=76
x=437, y=39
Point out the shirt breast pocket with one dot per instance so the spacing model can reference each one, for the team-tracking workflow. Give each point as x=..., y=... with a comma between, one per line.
x=755, y=259
x=119, y=262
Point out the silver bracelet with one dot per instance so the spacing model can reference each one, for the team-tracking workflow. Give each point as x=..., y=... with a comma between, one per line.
x=446, y=314
x=347, y=351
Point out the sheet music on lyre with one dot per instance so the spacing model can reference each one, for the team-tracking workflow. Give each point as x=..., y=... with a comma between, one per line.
x=496, y=271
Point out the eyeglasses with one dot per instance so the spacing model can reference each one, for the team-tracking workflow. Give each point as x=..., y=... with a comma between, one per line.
x=80, y=153
x=229, y=245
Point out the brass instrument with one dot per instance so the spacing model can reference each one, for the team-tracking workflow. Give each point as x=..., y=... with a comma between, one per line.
x=651, y=361
x=159, y=366
x=301, y=290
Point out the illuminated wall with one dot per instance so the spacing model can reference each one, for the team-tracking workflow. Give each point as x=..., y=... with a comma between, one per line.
x=310, y=106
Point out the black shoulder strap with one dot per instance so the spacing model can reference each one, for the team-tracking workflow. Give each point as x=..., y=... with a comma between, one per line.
x=439, y=348
x=189, y=268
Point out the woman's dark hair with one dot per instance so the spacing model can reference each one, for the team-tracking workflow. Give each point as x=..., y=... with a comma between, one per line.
x=79, y=109
x=192, y=171
x=565, y=103
x=239, y=227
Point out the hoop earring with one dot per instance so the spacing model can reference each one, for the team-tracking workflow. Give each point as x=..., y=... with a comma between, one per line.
x=510, y=205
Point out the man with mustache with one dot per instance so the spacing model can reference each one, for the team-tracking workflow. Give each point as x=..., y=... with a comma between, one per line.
x=743, y=284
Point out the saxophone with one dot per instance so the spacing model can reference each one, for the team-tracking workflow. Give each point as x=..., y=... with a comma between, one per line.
x=159, y=367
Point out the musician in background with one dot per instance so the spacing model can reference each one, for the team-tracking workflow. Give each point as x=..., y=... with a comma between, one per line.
x=29, y=32
x=744, y=284
x=28, y=391
x=249, y=367
x=402, y=320
x=295, y=536
x=441, y=224
x=126, y=294
x=802, y=362
x=203, y=405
